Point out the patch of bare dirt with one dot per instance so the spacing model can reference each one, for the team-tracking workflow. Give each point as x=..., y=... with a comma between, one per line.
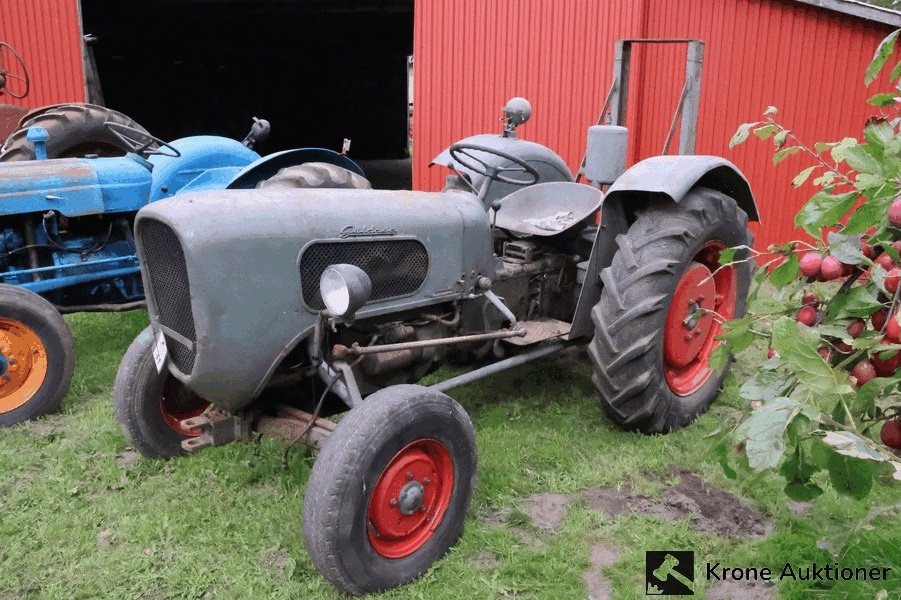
x=546, y=511
x=484, y=560
x=710, y=509
x=598, y=586
x=746, y=590
x=128, y=458
x=275, y=559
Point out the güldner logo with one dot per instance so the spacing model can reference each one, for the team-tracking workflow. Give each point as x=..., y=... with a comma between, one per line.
x=366, y=231
x=669, y=572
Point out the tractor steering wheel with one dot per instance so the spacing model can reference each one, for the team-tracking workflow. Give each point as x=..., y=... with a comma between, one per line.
x=458, y=151
x=127, y=135
x=5, y=76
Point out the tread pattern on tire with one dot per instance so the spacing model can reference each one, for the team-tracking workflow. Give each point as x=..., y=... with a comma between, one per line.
x=69, y=126
x=334, y=475
x=315, y=175
x=628, y=343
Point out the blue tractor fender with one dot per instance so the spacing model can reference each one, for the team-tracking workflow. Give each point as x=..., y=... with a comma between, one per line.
x=266, y=167
x=200, y=154
x=668, y=177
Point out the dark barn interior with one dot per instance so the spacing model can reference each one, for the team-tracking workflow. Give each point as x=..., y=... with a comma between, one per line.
x=318, y=70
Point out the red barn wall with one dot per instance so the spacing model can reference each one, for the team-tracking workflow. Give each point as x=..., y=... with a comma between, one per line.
x=47, y=34
x=471, y=55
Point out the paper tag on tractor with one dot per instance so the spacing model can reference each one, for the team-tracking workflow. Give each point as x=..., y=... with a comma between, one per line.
x=159, y=351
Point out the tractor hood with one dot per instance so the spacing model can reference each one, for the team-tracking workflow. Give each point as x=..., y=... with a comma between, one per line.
x=74, y=186
x=232, y=277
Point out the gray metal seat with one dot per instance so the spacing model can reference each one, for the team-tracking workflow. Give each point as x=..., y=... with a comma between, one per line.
x=547, y=209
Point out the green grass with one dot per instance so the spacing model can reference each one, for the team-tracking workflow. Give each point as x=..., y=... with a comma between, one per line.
x=79, y=518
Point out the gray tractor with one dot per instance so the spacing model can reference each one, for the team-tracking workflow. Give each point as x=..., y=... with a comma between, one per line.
x=273, y=309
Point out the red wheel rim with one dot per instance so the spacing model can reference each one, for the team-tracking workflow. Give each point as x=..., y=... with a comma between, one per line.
x=410, y=498
x=691, y=325
x=178, y=404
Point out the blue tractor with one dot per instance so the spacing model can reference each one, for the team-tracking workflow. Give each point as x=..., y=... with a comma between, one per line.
x=66, y=241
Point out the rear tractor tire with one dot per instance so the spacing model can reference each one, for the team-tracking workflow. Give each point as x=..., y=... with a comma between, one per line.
x=37, y=357
x=315, y=175
x=390, y=489
x=75, y=130
x=150, y=404
x=660, y=311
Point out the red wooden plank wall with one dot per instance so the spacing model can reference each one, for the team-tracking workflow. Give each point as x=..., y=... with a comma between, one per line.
x=471, y=55
x=47, y=34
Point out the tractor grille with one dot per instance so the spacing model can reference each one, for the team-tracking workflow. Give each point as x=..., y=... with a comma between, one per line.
x=396, y=268
x=165, y=264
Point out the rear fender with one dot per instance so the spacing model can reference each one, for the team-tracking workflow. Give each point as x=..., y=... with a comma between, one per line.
x=268, y=166
x=666, y=178
x=199, y=154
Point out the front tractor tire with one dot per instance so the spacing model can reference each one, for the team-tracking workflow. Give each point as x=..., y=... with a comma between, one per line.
x=390, y=489
x=660, y=311
x=37, y=357
x=150, y=404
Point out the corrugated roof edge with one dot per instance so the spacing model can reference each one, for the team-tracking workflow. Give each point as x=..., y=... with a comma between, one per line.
x=859, y=9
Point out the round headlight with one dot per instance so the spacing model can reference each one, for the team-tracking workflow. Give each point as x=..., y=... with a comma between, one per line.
x=344, y=289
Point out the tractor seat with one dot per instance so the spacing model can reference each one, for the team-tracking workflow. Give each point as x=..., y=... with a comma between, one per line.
x=547, y=209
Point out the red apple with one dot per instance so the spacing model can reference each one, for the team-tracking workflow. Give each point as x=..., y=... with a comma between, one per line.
x=810, y=264
x=867, y=250
x=879, y=318
x=885, y=261
x=810, y=299
x=843, y=348
x=891, y=434
x=807, y=315
x=771, y=353
x=864, y=372
x=894, y=213
x=892, y=280
x=893, y=329
x=885, y=362
x=830, y=268
x=856, y=327
x=825, y=352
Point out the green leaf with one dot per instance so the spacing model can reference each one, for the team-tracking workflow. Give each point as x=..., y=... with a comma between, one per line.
x=762, y=432
x=820, y=147
x=826, y=179
x=824, y=210
x=797, y=472
x=852, y=445
x=802, y=492
x=859, y=301
x=779, y=138
x=878, y=132
x=861, y=159
x=883, y=52
x=763, y=385
x=764, y=132
x=802, y=176
x=781, y=155
x=719, y=358
x=850, y=476
x=797, y=346
x=787, y=272
x=866, y=215
x=727, y=255
x=838, y=150
x=882, y=100
x=845, y=248
x=742, y=134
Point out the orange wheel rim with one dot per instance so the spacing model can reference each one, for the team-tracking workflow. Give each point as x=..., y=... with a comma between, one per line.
x=23, y=364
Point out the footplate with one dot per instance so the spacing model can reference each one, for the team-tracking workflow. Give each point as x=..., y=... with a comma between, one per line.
x=218, y=428
x=540, y=330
